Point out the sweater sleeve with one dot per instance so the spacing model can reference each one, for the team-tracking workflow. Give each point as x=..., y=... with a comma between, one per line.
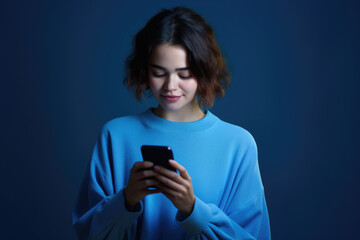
x=242, y=212
x=100, y=212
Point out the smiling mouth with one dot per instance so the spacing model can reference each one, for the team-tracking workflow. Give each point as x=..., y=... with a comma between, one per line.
x=170, y=98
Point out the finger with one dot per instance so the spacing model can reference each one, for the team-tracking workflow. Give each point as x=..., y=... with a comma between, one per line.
x=171, y=184
x=152, y=191
x=169, y=174
x=180, y=168
x=143, y=174
x=168, y=192
x=140, y=165
x=150, y=182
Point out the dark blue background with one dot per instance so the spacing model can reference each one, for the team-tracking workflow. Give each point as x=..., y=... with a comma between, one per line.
x=295, y=86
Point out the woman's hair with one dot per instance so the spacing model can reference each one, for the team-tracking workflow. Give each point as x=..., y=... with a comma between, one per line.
x=180, y=26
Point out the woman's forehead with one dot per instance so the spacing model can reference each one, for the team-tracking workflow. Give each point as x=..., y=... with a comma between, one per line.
x=169, y=57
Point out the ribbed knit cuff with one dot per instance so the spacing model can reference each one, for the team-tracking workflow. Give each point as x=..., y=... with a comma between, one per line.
x=198, y=219
x=116, y=205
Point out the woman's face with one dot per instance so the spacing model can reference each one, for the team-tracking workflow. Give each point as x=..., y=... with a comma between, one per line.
x=170, y=78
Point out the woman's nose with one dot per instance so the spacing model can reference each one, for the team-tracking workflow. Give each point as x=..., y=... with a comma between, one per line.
x=171, y=83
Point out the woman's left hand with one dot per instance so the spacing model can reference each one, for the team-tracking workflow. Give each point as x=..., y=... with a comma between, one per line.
x=177, y=188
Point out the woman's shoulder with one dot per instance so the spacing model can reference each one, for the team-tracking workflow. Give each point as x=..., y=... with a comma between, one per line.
x=235, y=131
x=122, y=123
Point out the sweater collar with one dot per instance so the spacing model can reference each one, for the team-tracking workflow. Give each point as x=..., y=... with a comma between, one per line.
x=154, y=121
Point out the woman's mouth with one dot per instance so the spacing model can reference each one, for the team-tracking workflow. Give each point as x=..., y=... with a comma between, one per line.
x=170, y=98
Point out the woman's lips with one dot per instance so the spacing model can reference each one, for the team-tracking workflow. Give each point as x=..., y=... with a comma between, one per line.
x=170, y=98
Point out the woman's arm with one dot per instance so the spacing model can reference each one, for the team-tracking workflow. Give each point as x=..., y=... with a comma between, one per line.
x=231, y=220
x=101, y=212
x=208, y=221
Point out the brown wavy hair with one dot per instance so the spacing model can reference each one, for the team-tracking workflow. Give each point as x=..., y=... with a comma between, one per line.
x=179, y=26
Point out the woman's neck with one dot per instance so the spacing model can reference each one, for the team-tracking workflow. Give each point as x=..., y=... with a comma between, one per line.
x=189, y=114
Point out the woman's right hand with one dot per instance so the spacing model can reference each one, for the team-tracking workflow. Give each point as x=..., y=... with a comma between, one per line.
x=141, y=177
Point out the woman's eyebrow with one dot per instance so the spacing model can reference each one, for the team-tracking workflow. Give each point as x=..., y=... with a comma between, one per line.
x=164, y=69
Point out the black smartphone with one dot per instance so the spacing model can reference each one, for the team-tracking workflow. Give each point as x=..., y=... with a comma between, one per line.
x=159, y=155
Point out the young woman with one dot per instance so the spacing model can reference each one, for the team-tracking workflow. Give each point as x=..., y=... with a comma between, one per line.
x=216, y=192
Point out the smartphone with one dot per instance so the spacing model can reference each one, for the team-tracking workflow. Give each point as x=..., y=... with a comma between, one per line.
x=159, y=155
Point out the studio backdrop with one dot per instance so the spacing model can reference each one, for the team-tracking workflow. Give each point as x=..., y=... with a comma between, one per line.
x=295, y=82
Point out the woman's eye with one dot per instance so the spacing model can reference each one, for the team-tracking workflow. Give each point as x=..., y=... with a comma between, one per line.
x=158, y=74
x=182, y=76
x=185, y=76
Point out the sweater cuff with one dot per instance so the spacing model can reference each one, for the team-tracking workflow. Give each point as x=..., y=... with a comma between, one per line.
x=198, y=219
x=116, y=205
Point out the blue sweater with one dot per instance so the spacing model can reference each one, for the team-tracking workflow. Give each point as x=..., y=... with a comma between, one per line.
x=221, y=160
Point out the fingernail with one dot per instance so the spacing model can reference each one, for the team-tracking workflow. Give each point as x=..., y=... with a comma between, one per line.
x=156, y=167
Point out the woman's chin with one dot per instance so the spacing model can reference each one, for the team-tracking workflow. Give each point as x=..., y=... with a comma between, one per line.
x=169, y=107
